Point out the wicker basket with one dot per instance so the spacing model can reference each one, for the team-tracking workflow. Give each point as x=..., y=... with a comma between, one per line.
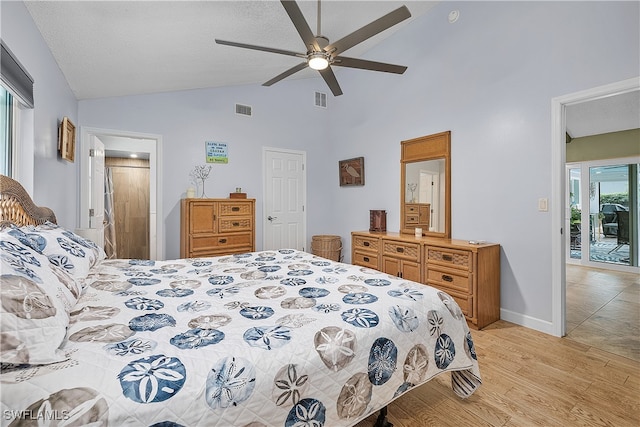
x=327, y=246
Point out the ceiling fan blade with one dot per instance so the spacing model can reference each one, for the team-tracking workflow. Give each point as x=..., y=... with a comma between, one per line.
x=285, y=74
x=332, y=82
x=369, y=30
x=262, y=48
x=296, y=16
x=343, y=61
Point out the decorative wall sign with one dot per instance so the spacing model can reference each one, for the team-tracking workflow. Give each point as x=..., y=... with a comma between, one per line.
x=217, y=152
x=67, y=140
x=351, y=171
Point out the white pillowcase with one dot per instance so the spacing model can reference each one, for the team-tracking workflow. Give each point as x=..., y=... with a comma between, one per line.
x=43, y=272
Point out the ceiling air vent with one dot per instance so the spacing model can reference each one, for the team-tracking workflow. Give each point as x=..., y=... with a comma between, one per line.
x=321, y=100
x=243, y=110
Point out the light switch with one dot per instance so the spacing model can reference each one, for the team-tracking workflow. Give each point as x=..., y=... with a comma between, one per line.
x=543, y=205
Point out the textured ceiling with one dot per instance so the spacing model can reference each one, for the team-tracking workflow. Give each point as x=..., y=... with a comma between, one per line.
x=604, y=115
x=115, y=48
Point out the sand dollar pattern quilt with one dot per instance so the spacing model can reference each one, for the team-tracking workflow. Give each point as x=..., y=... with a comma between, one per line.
x=272, y=338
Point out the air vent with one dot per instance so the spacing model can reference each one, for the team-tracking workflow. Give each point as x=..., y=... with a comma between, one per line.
x=243, y=110
x=321, y=100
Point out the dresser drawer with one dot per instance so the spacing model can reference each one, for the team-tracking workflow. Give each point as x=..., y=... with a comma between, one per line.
x=404, y=250
x=450, y=257
x=460, y=281
x=365, y=243
x=235, y=224
x=466, y=304
x=232, y=208
x=203, y=243
x=365, y=259
x=412, y=218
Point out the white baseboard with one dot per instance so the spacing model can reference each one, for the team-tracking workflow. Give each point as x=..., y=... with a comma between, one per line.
x=527, y=321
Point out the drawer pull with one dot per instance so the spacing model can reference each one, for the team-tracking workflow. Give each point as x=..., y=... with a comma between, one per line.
x=222, y=241
x=447, y=278
x=236, y=224
x=400, y=250
x=235, y=208
x=447, y=257
x=366, y=244
x=366, y=259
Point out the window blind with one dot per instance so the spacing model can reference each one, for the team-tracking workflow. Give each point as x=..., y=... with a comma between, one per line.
x=14, y=77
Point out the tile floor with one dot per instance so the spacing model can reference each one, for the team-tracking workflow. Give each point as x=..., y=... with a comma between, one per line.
x=603, y=309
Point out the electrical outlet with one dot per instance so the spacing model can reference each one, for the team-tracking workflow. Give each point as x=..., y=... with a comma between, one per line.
x=543, y=205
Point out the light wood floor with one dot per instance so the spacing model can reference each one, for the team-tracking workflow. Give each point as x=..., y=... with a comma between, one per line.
x=589, y=378
x=603, y=309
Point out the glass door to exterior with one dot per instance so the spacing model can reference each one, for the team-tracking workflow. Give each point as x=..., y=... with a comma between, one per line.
x=603, y=214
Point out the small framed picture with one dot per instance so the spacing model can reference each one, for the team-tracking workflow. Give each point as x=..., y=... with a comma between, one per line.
x=351, y=171
x=67, y=140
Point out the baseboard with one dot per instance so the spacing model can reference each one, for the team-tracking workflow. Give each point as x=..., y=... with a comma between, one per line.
x=527, y=321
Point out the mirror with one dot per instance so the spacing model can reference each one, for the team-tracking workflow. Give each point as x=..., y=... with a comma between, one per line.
x=425, y=196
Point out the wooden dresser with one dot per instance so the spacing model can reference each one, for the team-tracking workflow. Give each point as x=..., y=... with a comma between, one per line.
x=468, y=272
x=212, y=227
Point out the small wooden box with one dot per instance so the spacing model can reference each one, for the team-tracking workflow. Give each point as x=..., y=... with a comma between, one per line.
x=237, y=195
x=377, y=220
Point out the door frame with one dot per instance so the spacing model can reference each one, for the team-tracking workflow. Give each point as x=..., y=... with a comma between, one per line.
x=156, y=231
x=558, y=193
x=265, y=150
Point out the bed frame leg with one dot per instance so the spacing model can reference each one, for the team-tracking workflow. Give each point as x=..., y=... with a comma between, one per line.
x=382, y=419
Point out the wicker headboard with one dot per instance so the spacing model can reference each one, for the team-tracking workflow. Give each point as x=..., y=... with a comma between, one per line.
x=17, y=207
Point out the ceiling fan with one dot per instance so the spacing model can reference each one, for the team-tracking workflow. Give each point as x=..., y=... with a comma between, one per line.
x=321, y=54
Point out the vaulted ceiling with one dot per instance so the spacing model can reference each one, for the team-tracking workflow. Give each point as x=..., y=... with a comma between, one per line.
x=117, y=48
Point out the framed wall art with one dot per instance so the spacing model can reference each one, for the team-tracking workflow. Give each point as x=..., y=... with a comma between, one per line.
x=351, y=171
x=67, y=140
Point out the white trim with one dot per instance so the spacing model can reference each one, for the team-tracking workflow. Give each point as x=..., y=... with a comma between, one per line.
x=558, y=199
x=156, y=231
x=526, y=321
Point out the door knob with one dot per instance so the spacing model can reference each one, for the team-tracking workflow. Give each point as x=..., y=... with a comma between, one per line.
x=271, y=218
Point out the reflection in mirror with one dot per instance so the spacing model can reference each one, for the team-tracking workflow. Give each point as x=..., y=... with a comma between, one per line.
x=426, y=193
x=425, y=180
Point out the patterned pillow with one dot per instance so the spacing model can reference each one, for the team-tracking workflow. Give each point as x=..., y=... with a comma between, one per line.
x=35, y=298
x=64, y=248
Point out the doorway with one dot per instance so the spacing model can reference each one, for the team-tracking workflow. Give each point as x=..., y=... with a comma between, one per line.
x=285, y=192
x=145, y=145
x=560, y=208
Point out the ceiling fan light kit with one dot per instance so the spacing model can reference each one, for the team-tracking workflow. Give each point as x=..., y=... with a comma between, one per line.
x=322, y=54
x=318, y=61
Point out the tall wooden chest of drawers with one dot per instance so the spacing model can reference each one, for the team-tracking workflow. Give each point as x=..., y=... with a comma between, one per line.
x=469, y=273
x=212, y=227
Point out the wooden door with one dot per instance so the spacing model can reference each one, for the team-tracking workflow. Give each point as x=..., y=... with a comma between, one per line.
x=131, y=206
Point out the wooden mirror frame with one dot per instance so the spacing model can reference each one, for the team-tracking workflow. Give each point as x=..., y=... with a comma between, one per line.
x=430, y=147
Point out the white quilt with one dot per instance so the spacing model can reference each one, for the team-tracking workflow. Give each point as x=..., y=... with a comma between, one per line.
x=279, y=338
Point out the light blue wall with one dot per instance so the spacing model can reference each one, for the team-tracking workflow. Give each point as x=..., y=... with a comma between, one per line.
x=489, y=78
x=54, y=180
x=282, y=118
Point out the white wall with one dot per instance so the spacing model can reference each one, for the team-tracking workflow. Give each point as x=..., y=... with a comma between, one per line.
x=54, y=180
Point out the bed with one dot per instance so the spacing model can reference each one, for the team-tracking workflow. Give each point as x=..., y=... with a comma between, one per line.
x=268, y=338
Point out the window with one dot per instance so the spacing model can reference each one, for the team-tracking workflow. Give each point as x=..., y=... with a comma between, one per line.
x=8, y=118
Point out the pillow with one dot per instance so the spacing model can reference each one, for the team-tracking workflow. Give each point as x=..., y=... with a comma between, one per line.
x=64, y=248
x=35, y=299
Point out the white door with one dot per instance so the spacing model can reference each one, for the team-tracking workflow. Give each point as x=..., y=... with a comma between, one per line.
x=92, y=183
x=96, y=177
x=284, y=199
x=430, y=193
